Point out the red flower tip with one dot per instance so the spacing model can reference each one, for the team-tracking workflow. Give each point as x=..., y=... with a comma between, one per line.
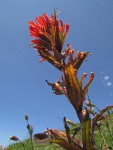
x=49, y=34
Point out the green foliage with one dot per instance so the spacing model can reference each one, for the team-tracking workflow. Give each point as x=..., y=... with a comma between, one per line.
x=28, y=146
x=94, y=131
x=103, y=137
x=104, y=134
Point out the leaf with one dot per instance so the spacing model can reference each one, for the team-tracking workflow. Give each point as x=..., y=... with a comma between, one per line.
x=67, y=130
x=74, y=127
x=70, y=122
x=67, y=145
x=76, y=130
x=98, y=116
x=87, y=137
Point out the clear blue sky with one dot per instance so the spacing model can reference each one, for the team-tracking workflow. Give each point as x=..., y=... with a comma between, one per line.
x=23, y=89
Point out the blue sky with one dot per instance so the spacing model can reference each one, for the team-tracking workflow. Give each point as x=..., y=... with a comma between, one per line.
x=23, y=89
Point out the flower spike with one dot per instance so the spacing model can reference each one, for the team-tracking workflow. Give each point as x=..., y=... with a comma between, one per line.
x=49, y=35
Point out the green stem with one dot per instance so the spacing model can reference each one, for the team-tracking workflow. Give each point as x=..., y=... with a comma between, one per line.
x=31, y=142
x=22, y=144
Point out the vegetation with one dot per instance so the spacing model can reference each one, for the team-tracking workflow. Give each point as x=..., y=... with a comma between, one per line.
x=17, y=146
x=103, y=137
x=94, y=132
x=104, y=133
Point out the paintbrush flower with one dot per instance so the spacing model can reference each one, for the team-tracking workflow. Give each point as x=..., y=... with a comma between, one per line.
x=49, y=36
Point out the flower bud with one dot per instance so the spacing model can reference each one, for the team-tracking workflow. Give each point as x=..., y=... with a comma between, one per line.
x=30, y=128
x=13, y=138
x=88, y=103
x=26, y=117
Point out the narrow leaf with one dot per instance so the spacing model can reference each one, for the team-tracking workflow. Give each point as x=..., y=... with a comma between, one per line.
x=99, y=115
x=67, y=145
x=88, y=139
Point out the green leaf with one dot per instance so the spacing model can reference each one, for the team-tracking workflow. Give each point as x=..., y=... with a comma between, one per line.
x=87, y=136
x=71, y=122
x=99, y=115
x=75, y=130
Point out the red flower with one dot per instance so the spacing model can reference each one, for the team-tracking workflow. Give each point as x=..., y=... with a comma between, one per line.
x=49, y=34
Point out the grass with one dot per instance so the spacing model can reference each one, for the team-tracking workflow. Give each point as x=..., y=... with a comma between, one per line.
x=103, y=135
x=17, y=146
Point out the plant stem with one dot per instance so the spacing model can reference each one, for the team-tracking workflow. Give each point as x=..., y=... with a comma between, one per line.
x=22, y=144
x=31, y=142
